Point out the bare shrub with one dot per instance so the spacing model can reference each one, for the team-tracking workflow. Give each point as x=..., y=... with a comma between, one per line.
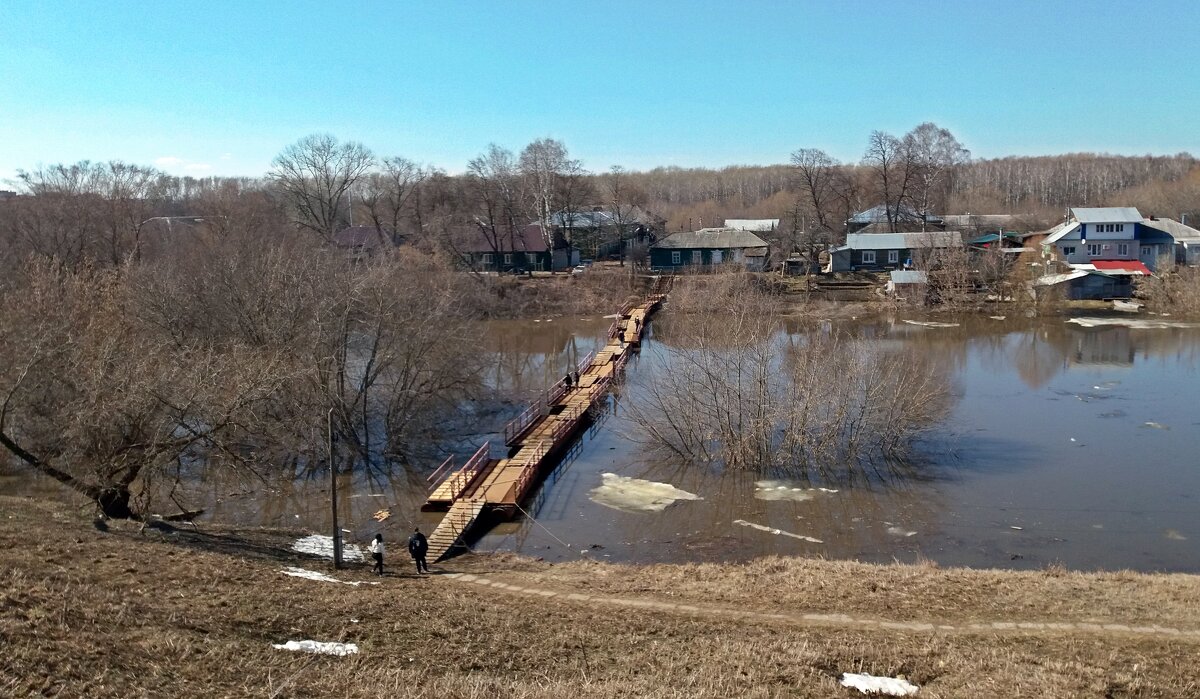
x=1176, y=291
x=730, y=388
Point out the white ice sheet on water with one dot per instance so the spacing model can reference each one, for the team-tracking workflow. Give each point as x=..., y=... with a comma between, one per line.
x=321, y=577
x=783, y=490
x=870, y=684
x=323, y=647
x=636, y=494
x=1134, y=323
x=318, y=545
x=777, y=532
x=931, y=324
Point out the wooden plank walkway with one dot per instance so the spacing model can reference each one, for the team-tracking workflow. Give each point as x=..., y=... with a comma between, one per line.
x=535, y=438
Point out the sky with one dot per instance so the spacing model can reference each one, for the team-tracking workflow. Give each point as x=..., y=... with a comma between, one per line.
x=220, y=87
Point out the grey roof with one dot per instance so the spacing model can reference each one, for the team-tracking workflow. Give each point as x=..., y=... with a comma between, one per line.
x=1111, y=214
x=716, y=238
x=752, y=224
x=1059, y=232
x=980, y=220
x=875, y=214
x=1173, y=228
x=904, y=241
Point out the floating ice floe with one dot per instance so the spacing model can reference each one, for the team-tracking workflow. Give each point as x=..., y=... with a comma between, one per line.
x=321, y=577
x=611, y=316
x=776, y=532
x=931, y=324
x=1133, y=323
x=900, y=531
x=318, y=545
x=870, y=684
x=1174, y=535
x=782, y=490
x=323, y=647
x=1155, y=426
x=636, y=494
x=997, y=317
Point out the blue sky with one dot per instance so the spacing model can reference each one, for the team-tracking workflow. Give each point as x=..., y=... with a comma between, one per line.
x=220, y=87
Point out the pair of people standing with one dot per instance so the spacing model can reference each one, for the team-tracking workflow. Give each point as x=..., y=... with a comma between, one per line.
x=418, y=546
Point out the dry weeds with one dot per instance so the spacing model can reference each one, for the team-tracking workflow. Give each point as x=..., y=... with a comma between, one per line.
x=173, y=613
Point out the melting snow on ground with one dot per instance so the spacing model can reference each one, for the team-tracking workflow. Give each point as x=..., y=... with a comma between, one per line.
x=931, y=324
x=1135, y=323
x=870, y=684
x=782, y=490
x=777, y=532
x=320, y=577
x=323, y=647
x=322, y=546
x=637, y=495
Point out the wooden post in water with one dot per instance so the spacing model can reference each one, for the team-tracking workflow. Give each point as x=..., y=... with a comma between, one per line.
x=337, y=532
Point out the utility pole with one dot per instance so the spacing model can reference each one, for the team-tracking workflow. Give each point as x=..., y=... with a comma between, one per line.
x=337, y=532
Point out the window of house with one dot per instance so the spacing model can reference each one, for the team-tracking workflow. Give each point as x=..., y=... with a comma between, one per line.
x=487, y=258
x=868, y=257
x=1123, y=249
x=1068, y=250
x=893, y=257
x=1120, y=227
x=676, y=258
x=1093, y=249
x=508, y=258
x=531, y=257
x=697, y=257
x=1147, y=251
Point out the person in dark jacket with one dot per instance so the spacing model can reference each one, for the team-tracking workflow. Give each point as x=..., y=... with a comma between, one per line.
x=417, y=546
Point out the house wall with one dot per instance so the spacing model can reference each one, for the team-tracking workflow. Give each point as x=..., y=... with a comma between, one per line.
x=497, y=262
x=1100, y=230
x=661, y=258
x=881, y=259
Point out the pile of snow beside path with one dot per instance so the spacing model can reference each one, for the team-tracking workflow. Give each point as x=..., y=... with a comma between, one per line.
x=636, y=494
x=323, y=647
x=870, y=684
x=322, y=546
x=321, y=577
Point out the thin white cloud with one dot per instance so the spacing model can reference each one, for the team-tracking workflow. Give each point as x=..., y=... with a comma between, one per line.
x=197, y=167
x=227, y=156
x=168, y=161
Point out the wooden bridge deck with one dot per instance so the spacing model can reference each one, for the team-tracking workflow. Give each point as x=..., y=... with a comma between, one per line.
x=536, y=438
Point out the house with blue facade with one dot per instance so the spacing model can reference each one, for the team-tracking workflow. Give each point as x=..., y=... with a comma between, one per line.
x=885, y=251
x=1121, y=235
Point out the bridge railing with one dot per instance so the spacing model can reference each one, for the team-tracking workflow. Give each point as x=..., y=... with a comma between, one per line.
x=520, y=423
x=566, y=421
x=582, y=365
x=527, y=474
x=442, y=470
x=555, y=392
x=466, y=474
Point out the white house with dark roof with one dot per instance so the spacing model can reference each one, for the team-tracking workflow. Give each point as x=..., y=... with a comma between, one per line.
x=1114, y=235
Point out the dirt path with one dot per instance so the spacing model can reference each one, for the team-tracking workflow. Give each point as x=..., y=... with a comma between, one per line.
x=835, y=620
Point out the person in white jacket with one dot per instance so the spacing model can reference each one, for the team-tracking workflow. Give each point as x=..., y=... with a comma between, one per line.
x=376, y=549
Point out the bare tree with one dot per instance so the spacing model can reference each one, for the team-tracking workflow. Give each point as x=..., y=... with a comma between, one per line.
x=315, y=174
x=553, y=182
x=936, y=155
x=494, y=186
x=388, y=193
x=894, y=172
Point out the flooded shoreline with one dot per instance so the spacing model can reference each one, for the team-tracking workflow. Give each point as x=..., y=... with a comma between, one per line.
x=1068, y=443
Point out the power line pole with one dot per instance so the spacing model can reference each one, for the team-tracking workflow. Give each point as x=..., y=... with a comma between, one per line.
x=337, y=532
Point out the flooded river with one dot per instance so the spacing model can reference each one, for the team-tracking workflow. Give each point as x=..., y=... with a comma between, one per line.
x=1066, y=442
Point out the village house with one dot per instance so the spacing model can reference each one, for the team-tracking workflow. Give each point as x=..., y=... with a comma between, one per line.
x=522, y=249
x=754, y=225
x=709, y=247
x=875, y=220
x=599, y=232
x=1121, y=238
x=883, y=251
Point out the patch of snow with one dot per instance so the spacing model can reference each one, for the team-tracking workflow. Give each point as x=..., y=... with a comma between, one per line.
x=931, y=324
x=870, y=684
x=783, y=490
x=318, y=545
x=1174, y=535
x=897, y=531
x=1155, y=426
x=997, y=317
x=1134, y=323
x=321, y=577
x=323, y=647
x=777, y=532
x=614, y=315
x=636, y=494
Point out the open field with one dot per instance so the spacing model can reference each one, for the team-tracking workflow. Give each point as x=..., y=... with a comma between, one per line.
x=107, y=610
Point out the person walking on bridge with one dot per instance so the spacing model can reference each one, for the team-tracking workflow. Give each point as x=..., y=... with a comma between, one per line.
x=376, y=549
x=417, y=546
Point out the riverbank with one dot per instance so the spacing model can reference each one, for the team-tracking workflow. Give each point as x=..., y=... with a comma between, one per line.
x=117, y=610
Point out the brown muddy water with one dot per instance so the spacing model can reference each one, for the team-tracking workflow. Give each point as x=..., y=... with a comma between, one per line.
x=1067, y=443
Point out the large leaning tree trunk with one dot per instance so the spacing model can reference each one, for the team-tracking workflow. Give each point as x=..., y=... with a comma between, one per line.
x=101, y=402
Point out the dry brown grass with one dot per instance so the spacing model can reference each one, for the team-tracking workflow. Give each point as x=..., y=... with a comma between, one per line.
x=173, y=613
